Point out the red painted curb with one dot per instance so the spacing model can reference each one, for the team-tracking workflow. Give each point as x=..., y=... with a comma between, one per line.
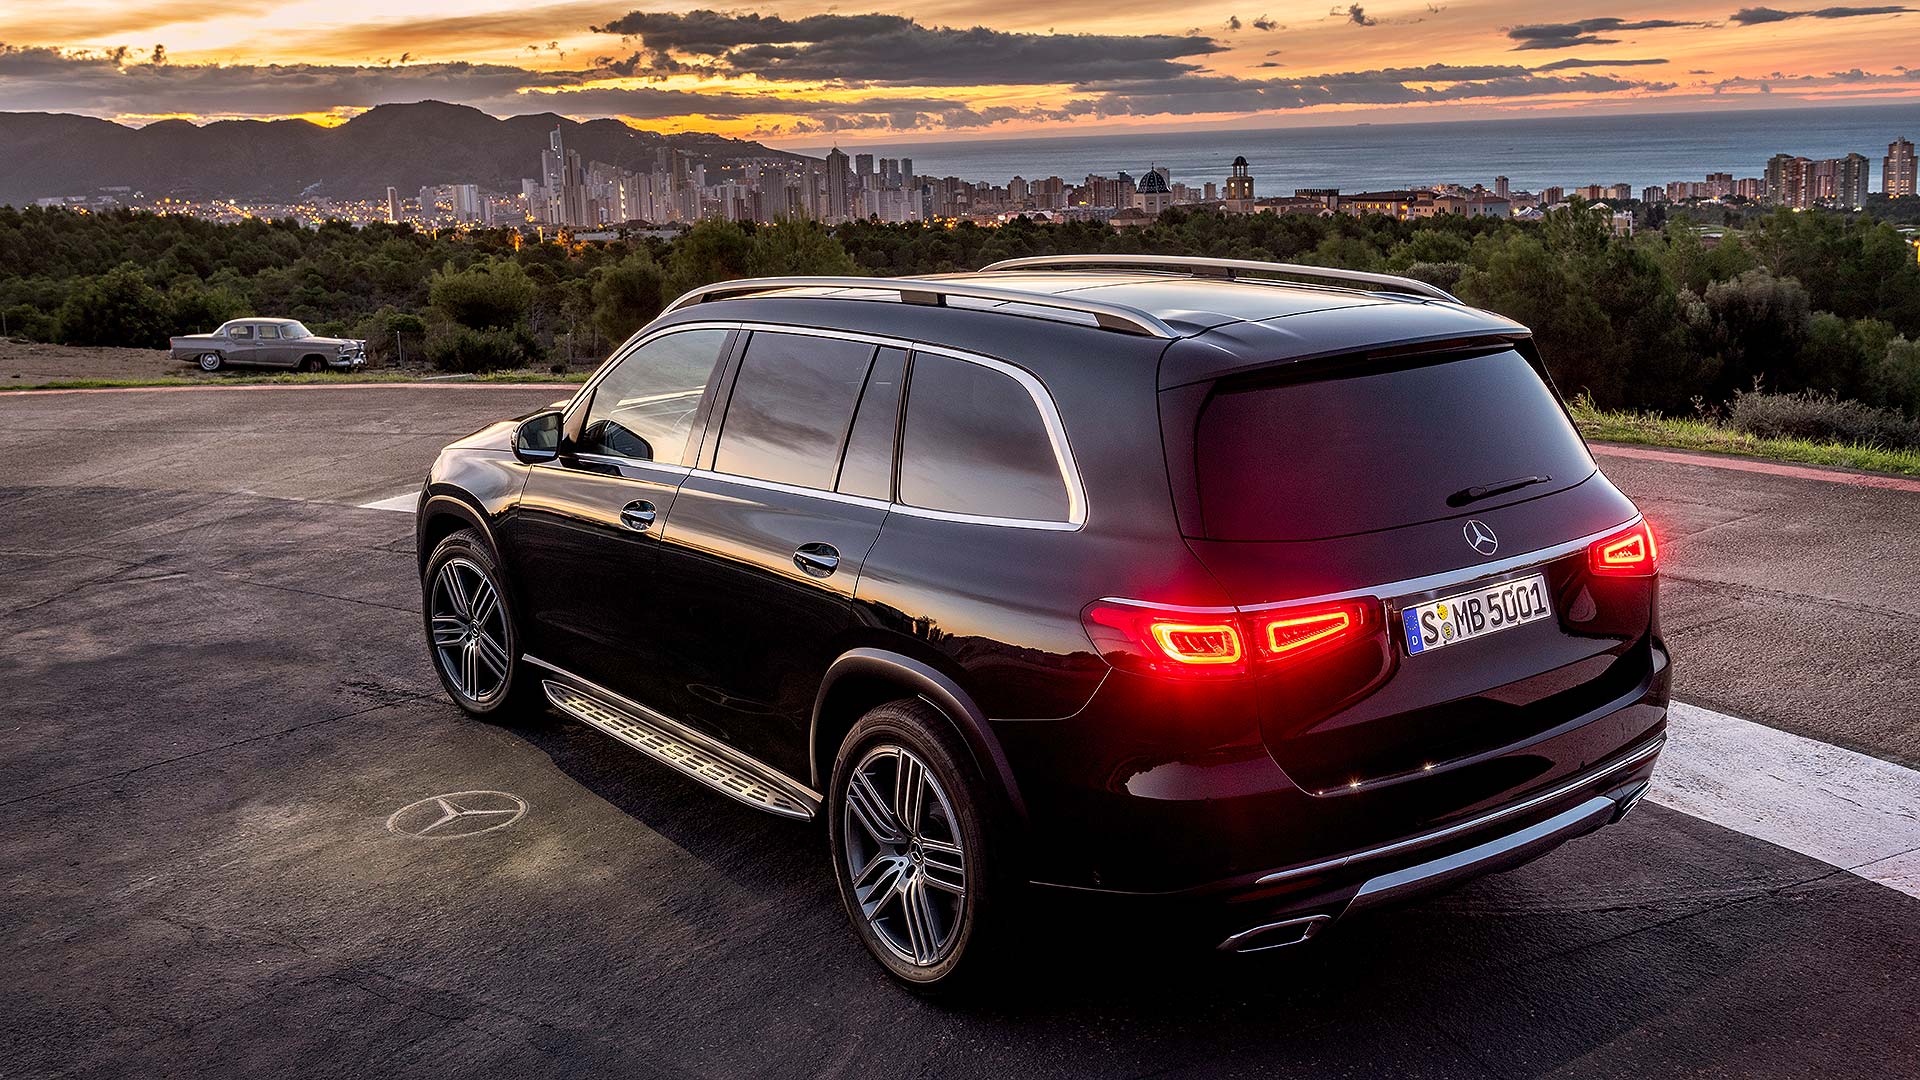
x=1769, y=468
x=569, y=387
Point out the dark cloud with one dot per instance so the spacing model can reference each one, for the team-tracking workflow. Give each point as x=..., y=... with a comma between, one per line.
x=1389, y=86
x=1585, y=32
x=1233, y=22
x=1357, y=16
x=1264, y=23
x=862, y=50
x=1754, y=15
x=1562, y=65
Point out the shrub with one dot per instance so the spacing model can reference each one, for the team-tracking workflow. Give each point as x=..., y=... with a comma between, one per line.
x=464, y=349
x=116, y=308
x=488, y=295
x=1820, y=417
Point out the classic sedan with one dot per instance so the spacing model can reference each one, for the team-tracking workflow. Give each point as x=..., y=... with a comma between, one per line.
x=278, y=343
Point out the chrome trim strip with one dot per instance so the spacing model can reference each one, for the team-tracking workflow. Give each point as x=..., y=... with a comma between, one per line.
x=1413, y=843
x=921, y=291
x=738, y=758
x=1198, y=266
x=1447, y=579
x=1444, y=579
x=634, y=463
x=1578, y=820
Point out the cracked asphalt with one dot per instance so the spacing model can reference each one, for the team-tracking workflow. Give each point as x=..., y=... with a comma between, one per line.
x=217, y=696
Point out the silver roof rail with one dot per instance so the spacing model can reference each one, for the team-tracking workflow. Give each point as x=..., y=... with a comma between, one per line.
x=1226, y=268
x=1118, y=317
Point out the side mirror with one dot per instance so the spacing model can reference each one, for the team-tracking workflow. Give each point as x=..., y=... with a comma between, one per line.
x=538, y=437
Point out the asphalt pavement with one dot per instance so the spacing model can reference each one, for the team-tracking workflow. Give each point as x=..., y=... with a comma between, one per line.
x=222, y=728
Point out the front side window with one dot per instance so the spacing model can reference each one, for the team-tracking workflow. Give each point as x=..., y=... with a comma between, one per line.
x=269, y=332
x=792, y=402
x=242, y=332
x=296, y=331
x=644, y=408
x=975, y=443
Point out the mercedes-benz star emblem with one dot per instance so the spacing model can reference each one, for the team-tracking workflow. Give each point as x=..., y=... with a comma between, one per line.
x=462, y=813
x=1479, y=537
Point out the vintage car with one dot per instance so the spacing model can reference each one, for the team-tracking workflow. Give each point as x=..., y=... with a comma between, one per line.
x=280, y=343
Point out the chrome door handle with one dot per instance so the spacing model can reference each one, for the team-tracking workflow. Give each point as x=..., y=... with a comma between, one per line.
x=817, y=560
x=638, y=516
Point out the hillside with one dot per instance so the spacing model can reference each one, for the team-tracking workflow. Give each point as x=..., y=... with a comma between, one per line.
x=406, y=146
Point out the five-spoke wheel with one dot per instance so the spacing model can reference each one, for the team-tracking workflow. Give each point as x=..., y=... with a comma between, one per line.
x=903, y=855
x=908, y=830
x=470, y=627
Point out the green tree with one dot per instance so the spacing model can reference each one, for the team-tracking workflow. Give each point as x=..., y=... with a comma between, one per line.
x=711, y=251
x=116, y=308
x=626, y=295
x=797, y=247
x=488, y=295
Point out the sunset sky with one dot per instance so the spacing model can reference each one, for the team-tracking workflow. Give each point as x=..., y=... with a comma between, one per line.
x=791, y=72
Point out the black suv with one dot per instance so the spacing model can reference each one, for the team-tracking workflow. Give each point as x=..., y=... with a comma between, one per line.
x=1265, y=593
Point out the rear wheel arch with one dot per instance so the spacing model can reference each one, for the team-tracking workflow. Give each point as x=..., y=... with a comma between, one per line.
x=863, y=678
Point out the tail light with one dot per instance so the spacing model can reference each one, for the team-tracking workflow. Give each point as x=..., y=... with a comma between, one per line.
x=1186, y=643
x=1630, y=552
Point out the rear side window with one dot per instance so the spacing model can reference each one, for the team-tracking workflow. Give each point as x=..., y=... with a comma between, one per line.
x=975, y=443
x=867, y=468
x=643, y=409
x=1338, y=456
x=791, y=405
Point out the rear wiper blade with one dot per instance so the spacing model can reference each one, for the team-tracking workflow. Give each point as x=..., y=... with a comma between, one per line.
x=1487, y=491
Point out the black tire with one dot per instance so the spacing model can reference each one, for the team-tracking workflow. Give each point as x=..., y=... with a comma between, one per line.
x=312, y=364
x=965, y=815
x=211, y=361
x=518, y=689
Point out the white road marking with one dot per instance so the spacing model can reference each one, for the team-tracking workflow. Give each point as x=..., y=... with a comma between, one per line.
x=1846, y=809
x=404, y=503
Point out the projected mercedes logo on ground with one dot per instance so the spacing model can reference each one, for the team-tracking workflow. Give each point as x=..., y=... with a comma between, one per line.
x=460, y=814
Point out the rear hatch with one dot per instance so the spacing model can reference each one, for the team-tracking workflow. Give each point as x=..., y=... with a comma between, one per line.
x=1405, y=483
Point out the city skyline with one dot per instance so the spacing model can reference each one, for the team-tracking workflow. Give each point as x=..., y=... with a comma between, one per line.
x=795, y=74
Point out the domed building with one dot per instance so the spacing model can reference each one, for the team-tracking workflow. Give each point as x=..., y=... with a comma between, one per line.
x=1239, y=189
x=1152, y=195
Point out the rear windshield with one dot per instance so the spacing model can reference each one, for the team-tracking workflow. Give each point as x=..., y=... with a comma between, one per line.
x=1335, y=456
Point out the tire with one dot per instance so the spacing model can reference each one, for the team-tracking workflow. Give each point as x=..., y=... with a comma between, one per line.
x=311, y=365
x=212, y=361
x=951, y=940
x=477, y=659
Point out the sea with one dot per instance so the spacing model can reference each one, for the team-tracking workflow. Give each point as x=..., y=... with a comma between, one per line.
x=1533, y=153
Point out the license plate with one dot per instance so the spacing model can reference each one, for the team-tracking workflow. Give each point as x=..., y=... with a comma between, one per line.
x=1475, y=614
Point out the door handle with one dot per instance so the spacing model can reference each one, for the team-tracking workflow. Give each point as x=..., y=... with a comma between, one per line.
x=638, y=516
x=817, y=560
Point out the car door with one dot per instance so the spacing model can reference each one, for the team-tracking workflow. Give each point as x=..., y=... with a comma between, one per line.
x=584, y=540
x=241, y=344
x=271, y=350
x=763, y=548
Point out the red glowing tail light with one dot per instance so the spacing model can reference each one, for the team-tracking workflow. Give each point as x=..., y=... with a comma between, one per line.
x=1214, y=643
x=1631, y=552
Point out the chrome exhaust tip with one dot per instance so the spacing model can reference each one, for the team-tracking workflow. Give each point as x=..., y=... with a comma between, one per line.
x=1631, y=800
x=1275, y=935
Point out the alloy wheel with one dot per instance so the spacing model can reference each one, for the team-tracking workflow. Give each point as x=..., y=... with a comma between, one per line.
x=904, y=856
x=470, y=630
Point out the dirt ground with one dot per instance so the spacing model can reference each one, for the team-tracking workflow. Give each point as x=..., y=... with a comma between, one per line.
x=27, y=363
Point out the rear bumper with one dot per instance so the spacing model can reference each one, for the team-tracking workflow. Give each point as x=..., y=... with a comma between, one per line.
x=1285, y=905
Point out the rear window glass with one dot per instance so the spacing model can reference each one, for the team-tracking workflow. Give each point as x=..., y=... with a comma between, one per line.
x=791, y=405
x=1337, y=456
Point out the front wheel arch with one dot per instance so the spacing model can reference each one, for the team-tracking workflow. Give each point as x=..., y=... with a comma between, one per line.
x=862, y=678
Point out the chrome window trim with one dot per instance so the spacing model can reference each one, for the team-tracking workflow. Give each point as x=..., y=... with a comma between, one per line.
x=1036, y=392
x=634, y=463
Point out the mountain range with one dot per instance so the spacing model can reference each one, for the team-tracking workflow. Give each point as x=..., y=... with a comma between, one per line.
x=407, y=146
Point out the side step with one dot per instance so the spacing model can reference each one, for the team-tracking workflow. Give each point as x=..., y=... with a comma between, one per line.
x=729, y=772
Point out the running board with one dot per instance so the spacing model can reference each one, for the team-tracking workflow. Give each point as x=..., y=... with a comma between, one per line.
x=727, y=771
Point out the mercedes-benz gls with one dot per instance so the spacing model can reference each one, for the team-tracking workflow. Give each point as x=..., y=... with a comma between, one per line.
x=1267, y=593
